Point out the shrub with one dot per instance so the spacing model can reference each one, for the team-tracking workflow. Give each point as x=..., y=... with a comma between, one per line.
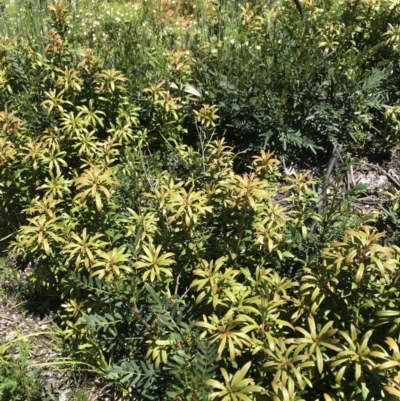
x=296, y=84
x=178, y=277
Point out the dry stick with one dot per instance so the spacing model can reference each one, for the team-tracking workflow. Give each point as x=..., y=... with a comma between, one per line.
x=137, y=314
x=7, y=318
x=184, y=294
x=329, y=169
x=368, y=199
x=384, y=172
x=241, y=152
x=94, y=397
x=177, y=283
x=202, y=137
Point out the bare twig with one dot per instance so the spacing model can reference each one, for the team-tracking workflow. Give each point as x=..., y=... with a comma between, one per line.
x=241, y=152
x=145, y=170
x=397, y=183
x=184, y=294
x=329, y=169
x=7, y=318
x=368, y=200
x=8, y=236
x=351, y=180
x=177, y=283
x=137, y=314
x=330, y=54
x=202, y=137
x=93, y=396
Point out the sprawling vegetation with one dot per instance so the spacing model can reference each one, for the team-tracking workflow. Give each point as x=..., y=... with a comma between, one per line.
x=144, y=175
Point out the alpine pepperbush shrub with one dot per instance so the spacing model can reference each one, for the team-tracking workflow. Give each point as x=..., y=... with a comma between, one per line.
x=178, y=277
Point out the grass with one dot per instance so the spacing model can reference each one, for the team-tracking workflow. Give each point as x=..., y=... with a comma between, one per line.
x=19, y=381
x=128, y=35
x=22, y=18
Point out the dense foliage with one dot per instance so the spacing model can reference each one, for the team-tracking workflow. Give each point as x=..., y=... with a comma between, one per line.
x=300, y=84
x=178, y=274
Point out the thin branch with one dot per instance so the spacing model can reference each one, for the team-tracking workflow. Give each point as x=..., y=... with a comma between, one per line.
x=177, y=283
x=202, y=137
x=184, y=294
x=330, y=54
x=397, y=183
x=7, y=318
x=329, y=169
x=137, y=314
x=145, y=170
x=239, y=153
